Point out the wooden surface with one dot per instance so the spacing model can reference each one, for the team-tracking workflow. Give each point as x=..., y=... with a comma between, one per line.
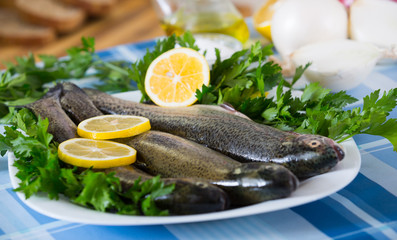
x=130, y=21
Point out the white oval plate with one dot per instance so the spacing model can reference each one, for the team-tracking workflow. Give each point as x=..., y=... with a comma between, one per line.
x=309, y=190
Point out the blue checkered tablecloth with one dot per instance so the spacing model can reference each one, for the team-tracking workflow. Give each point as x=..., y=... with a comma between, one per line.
x=365, y=209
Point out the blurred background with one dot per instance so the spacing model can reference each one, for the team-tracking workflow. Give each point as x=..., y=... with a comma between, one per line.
x=116, y=22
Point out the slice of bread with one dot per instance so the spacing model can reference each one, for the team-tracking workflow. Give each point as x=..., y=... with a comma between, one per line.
x=52, y=13
x=14, y=30
x=93, y=7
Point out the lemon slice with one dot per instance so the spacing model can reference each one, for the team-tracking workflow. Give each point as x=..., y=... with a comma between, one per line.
x=87, y=153
x=173, y=77
x=263, y=17
x=112, y=126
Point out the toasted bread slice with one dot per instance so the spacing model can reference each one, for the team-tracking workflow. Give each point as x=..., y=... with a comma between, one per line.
x=93, y=7
x=14, y=30
x=53, y=13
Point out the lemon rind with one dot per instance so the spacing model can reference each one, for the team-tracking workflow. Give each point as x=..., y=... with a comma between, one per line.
x=81, y=161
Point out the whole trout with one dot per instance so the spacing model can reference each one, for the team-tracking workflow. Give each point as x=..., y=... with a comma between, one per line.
x=245, y=183
x=232, y=135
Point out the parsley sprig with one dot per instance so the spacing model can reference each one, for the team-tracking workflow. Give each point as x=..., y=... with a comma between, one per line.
x=25, y=81
x=320, y=111
x=245, y=74
x=40, y=170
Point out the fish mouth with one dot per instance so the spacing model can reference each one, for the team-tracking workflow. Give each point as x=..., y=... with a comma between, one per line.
x=339, y=151
x=337, y=148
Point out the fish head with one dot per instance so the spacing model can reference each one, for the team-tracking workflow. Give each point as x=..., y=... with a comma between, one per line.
x=192, y=196
x=309, y=155
x=255, y=182
x=315, y=145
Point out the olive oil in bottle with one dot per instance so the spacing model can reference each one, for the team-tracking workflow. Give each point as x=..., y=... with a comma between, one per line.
x=207, y=16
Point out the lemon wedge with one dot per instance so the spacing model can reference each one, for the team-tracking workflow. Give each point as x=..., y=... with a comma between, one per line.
x=112, y=126
x=173, y=77
x=82, y=152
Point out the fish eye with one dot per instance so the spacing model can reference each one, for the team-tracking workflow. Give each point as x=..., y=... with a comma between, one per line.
x=314, y=143
x=201, y=184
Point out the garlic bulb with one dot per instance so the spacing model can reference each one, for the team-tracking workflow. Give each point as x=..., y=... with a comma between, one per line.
x=374, y=21
x=300, y=22
x=337, y=64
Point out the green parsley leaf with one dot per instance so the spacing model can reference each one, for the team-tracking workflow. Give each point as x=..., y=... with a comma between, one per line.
x=97, y=191
x=144, y=194
x=26, y=81
x=114, y=77
x=244, y=75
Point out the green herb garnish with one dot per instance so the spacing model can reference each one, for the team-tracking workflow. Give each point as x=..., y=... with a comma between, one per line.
x=244, y=75
x=25, y=82
x=319, y=111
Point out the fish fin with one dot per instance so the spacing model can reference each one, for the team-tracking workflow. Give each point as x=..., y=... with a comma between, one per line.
x=230, y=109
x=294, y=133
x=140, y=166
x=224, y=107
x=91, y=92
